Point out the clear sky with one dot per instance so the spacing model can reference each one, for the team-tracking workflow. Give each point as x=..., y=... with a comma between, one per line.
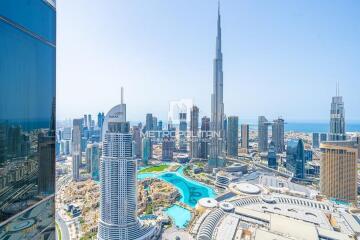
x=281, y=58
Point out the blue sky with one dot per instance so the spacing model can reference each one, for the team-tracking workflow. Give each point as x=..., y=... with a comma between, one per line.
x=281, y=58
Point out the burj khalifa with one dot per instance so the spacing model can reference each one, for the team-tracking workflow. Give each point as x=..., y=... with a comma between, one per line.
x=217, y=106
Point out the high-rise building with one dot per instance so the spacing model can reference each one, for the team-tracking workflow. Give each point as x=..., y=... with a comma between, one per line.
x=194, y=130
x=66, y=133
x=232, y=136
x=76, y=148
x=204, y=137
x=27, y=119
x=217, y=106
x=263, y=138
x=168, y=147
x=337, y=119
x=100, y=119
x=89, y=121
x=323, y=137
x=85, y=123
x=295, y=158
x=146, y=150
x=272, y=162
x=245, y=136
x=136, y=135
x=338, y=170
x=88, y=157
x=278, y=135
x=182, y=132
x=160, y=125
x=95, y=153
x=315, y=140
x=154, y=123
x=118, y=183
x=149, y=122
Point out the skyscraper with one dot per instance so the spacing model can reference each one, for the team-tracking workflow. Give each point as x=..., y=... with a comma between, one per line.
x=146, y=150
x=154, y=123
x=278, y=135
x=217, y=105
x=323, y=137
x=136, y=135
x=149, y=122
x=337, y=119
x=182, y=132
x=27, y=117
x=338, y=174
x=76, y=148
x=85, y=123
x=204, y=141
x=295, y=158
x=194, y=129
x=95, y=153
x=263, y=125
x=315, y=140
x=88, y=157
x=118, y=183
x=168, y=147
x=232, y=136
x=100, y=119
x=272, y=163
x=245, y=136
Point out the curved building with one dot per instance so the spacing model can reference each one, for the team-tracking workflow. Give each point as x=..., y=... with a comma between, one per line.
x=118, y=185
x=295, y=159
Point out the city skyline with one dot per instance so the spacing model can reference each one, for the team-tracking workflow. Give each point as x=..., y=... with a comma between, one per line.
x=309, y=61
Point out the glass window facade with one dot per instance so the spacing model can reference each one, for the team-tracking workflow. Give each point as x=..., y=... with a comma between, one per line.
x=27, y=119
x=295, y=158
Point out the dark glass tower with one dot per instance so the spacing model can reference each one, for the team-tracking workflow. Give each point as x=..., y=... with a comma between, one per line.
x=295, y=158
x=27, y=119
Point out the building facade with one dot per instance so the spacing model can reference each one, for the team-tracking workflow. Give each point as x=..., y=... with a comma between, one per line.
x=315, y=140
x=204, y=138
x=168, y=147
x=146, y=150
x=182, y=132
x=136, y=134
x=278, y=135
x=245, y=136
x=149, y=122
x=232, y=135
x=118, y=183
x=27, y=119
x=337, y=119
x=295, y=158
x=338, y=170
x=76, y=148
x=272, y=161
x=194, y=130
x=263, y=138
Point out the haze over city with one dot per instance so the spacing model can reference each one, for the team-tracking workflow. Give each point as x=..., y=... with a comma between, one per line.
x=162, y=51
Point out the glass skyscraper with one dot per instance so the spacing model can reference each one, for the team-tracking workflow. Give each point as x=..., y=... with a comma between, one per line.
x=27, y=119
x=295, y=158
x=232, y=136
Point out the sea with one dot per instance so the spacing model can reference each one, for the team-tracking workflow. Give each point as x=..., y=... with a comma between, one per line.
x=309, y=127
